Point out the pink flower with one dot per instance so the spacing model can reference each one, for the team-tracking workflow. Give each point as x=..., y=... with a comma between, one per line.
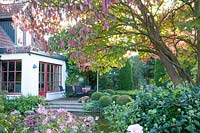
x=136, y=128
x=71, y=42
x=36, y=131
x=106, y=25
x=129, y=1
x=42, y=110
x=49, y=131
x=74, y=128
x=61, y=44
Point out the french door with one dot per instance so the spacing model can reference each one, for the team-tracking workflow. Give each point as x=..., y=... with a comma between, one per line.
x=50, y=78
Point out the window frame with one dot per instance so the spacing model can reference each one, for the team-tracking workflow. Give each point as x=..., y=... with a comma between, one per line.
x=7, y=82
x=49, y=85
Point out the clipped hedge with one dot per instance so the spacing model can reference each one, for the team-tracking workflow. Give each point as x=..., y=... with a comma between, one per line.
x=123, y=99
x=110, y=91
x=115, y=97
x=96, y=96
x=105, y=101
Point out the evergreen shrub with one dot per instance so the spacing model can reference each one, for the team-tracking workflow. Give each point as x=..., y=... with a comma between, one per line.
x=23, y=103
x=110, y=91
x=169, y=111
x=105, y=101
x=96, y=96
x=115, y=97
x=123, y=99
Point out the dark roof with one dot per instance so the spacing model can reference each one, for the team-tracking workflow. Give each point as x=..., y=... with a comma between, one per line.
x=5, y=41
x=7, y=10
x=29, y=50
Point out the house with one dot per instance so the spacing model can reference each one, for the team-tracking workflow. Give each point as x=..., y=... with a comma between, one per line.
x=25, y=70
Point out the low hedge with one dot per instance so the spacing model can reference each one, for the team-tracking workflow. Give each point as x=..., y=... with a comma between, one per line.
x=105, y=101
x=96, y=96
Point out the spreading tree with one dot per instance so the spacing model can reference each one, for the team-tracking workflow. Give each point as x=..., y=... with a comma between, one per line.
x=101, y=32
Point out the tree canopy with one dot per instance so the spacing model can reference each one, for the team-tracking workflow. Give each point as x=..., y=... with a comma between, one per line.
x=101, y=32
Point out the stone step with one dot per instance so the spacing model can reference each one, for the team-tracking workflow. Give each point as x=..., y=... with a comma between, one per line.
x=54, y=103
x=70, y=105
x=64, y=106
x=68, y=109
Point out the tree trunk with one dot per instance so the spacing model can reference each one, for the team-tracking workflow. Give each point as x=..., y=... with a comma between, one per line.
x=170, y=61
x=198, y=71
x=171, y=70
x=197, y=8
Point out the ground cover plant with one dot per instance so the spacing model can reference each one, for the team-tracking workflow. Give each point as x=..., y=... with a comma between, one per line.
x=159, y=111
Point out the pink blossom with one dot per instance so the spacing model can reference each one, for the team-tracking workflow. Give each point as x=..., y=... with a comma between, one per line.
x=72, y=32
x=136, y=128
x=42, y=110
x=156, y=56
x=74, y=128
x=104, y=5
x=61, y=44
x=129, y=1
x=71, y=42
x=106, y=25
x=49, y=131
x=46, y=120
x=36, y=131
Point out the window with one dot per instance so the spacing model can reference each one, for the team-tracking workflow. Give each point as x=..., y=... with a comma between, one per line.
x=11, y=72
x=8, y=28
x=49, y=77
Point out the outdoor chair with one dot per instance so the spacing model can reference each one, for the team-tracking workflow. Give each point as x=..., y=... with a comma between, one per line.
x=69, y=90
x=62, y=90
x=78, y=90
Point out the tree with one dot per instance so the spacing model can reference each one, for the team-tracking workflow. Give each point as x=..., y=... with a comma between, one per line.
x=125, y=77
x=138, y=71
x=105, y=30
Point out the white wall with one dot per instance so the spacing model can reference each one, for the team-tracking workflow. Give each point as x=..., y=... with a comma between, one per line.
x=30, y=76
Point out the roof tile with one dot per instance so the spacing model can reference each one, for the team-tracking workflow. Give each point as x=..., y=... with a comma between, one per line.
x=7, y=10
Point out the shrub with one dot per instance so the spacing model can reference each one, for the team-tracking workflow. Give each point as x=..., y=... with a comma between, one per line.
x=123, y=99
x=105, y=101
x=23, y=103
x=114, y=97
x=11, y=123
x=125, y=76
x=46, y=121
x=109, y=91
x=92, y=106
x=160, y=111
x=96, y=96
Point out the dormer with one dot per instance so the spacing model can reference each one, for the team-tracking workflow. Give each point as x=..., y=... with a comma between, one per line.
x=17, y=36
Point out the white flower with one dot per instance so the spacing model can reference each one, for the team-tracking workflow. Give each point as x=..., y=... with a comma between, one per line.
x=136, y=128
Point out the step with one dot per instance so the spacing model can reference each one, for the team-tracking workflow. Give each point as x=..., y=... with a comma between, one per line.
x=70, y=110
x=54, y=103
x=66, y=107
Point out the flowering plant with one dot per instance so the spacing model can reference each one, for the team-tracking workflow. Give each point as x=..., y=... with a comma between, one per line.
x=136, y=128
x=60, y=120
x=84, y=99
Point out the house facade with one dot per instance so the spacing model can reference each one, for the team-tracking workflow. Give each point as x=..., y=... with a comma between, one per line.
x=25, y=70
